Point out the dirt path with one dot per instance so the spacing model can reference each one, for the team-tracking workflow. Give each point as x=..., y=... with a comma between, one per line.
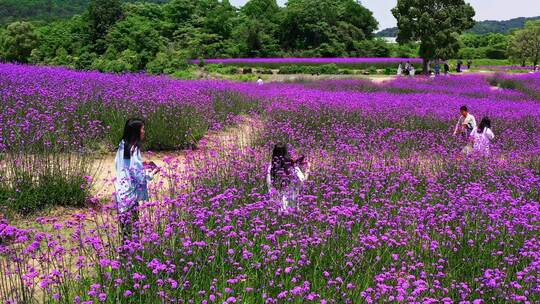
x=309, y=77
x=240, y=135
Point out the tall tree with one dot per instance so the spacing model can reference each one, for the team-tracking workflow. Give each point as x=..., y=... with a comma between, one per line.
x=525, y=44
x=318, y=25
x=263, y=10
x=436, y=24
x=18, y=42
x=102, y=15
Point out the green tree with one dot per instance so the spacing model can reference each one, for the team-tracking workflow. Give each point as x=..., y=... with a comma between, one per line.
x=525, y=44
x=436, y=24
x=325, y=27
x=263, y=10
x=136, y=34
x=102, y=15
x=18, y=41
x=256, y=33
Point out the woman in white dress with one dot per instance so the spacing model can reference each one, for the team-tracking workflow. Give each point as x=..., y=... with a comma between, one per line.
x=132, y=176
x=481, y=137
x=285, y=177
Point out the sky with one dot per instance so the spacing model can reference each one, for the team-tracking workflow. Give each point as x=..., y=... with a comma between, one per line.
x=485, y=9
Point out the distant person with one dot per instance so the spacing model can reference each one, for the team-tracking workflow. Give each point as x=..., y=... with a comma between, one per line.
x=458, y=66
x=469, y=64
x=285, y=177
x=446, y=68
x=408, y=68
x=399, y=70
x=481, y=137
x=466, y=123
x=132, y=176
x=260, y=82
x=412, y=71
x=437, y=69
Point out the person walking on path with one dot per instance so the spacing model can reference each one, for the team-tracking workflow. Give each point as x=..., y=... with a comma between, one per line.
x=132, y=177
x=285, y=178
x=446, y=68
x=466, y=123
x=437, y=69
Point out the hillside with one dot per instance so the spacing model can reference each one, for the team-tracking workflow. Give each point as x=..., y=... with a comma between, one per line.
x=480, y=28
x=16, y=10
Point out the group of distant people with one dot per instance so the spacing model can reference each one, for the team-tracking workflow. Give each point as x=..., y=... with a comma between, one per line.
x=478, y=137
x=440, y=66
x=407, y=69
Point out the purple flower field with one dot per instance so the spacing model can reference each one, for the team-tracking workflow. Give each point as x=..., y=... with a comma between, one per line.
x=392, y=211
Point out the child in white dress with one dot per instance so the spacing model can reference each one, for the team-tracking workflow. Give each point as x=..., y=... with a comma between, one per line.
x=285, y=178
x=481, y=137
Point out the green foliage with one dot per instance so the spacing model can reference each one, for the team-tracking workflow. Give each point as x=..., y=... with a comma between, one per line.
x=18, y=41
x=326, y=28
x=102, y=15
x=524, y=44
x=501, y=27
x=306, y=69
x=479, y=28
x=51, y=191
x=40, y=178
x=136, y=35
x=167, y=62
x=436, y=24
x=491, y=46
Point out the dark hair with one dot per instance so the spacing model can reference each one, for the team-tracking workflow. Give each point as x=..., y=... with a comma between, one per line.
x=132, y=136
x=485, y=123
x=464, y=108
x=281, y=166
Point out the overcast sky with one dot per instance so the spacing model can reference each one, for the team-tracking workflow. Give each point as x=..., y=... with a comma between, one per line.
x=485, y=9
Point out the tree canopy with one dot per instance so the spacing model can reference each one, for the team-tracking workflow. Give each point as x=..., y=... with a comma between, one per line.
x=525, y=44
x=134, y=35
x=436, y=24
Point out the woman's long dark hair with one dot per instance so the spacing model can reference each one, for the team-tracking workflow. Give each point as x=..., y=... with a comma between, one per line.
x=132, y=136
x=485, y=123
x=281, y=166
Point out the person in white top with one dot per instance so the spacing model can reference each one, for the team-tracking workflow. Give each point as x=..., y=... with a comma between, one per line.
x=400, y=70
x=481, y=137
x=132, y=177
x=412, y=70
x=260, y=81
x=285, y=177
x=466, y=123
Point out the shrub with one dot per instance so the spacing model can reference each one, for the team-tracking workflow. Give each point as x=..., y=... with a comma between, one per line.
x=35, y=180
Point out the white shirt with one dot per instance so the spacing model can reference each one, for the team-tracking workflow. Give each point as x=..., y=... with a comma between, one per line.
x=469, y=120
x=260, y=82
x=131, y=179
x=482, y=141
x=290, y=193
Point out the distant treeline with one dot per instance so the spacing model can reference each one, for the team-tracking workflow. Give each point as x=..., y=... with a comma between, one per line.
x=113, y=35
x=47, y=10
x=480, y=28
